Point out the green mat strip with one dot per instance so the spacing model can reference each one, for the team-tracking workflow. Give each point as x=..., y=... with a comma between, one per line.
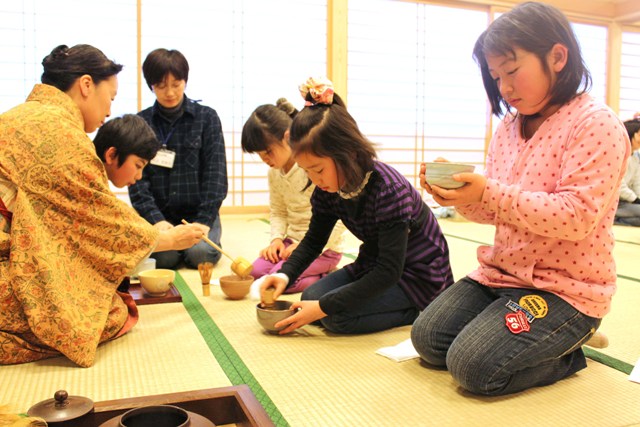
x=611, y=362
x=227, y=357
x=633, y=279
x=608, y=360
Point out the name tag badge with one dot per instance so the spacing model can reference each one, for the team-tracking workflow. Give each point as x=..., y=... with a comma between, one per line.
x=164, y=158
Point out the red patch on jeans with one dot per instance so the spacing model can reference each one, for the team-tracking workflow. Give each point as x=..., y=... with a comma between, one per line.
x=517, y=322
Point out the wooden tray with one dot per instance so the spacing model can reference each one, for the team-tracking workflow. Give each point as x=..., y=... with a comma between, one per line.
x=225, y=406
x=142, y=298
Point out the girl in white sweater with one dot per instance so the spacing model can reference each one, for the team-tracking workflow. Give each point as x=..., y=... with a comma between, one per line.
x=266, y=133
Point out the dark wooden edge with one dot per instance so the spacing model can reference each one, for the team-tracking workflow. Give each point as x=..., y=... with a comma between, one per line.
x=224, y=405
x=142, y=298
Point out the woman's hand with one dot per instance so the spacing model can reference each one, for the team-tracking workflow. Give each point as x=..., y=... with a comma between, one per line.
x=309, y=311
x=179, y=237
x=205, y=229
x=273, y=251
x=288, y=251
x=163, y=225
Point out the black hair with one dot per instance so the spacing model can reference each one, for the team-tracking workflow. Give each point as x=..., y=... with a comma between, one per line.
x=534, y=27
x=64, y=65
x=328, y=130
x=632, y=126
x=129, y=134
x=161, y=62
x=267, y=125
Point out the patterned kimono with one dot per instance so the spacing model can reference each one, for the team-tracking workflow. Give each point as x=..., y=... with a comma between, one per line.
x=67, y=241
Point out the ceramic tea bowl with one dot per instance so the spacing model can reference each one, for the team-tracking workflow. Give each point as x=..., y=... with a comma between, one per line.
x=270, y=315
x=156, y=282
x=439, y=173
x=235, y=287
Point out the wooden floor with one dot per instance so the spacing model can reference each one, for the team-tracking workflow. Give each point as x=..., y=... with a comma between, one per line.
x=312, y=378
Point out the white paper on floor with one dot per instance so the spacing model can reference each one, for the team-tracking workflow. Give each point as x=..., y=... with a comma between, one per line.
x=635, y=374
x=399, y=352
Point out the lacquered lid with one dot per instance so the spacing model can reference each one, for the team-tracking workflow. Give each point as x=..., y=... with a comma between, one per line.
x=61, y=408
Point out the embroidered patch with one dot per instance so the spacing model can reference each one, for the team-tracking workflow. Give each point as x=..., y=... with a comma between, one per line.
x=517, y=322
x=535, y=305
x=515, y=307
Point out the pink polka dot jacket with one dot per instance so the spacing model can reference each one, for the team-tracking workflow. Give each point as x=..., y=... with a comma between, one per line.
x=552, y=199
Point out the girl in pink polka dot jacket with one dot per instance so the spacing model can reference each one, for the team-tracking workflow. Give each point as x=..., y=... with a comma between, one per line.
x=550, y=188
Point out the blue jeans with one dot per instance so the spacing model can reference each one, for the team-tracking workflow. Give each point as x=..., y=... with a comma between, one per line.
x=465, y=329
x=202, y=252
x=390, y=309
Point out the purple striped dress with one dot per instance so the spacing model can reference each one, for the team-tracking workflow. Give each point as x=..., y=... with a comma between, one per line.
x=387, y=200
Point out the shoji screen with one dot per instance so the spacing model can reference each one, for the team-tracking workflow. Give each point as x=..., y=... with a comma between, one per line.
x=413, y=85
x=241, y=54
x=630, y=75
x=30, y=29
x=593, y=44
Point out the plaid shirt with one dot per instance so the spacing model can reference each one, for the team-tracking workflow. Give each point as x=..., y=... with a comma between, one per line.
x=197, y=184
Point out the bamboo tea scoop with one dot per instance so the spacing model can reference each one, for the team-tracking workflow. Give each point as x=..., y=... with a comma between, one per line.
x=239, y=265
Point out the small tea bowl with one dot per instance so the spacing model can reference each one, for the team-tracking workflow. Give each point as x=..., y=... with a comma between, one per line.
x=156, y=282
x=270, y=315
x=235, y=287
x=439, y=173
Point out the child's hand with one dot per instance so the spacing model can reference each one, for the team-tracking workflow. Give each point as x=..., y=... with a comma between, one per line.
x=310, y=311
x=470, y=193
x=288, y=251
x=423, y=178
x=273, y=251
x=272, y=282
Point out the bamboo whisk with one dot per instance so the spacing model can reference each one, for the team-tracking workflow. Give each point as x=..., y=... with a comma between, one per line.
x=205, y=269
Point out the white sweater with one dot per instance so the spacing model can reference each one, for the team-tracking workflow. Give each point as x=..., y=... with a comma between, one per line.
x=291, y=207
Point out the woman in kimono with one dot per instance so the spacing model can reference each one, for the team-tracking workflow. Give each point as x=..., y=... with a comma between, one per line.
x=66, y=241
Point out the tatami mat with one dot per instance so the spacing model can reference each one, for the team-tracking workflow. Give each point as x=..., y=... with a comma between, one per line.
x=163, y=353
x=311, y=378
x=317, y=379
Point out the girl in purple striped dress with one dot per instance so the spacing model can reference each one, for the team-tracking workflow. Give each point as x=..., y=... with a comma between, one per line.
x=403, y=262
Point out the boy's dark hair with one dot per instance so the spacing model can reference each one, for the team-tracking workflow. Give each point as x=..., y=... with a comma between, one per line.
x=534, y=27
x=64, y=65
x=161, y=62
x=330, y=131
x=129, y=134
x=267, y=125
x=632, y=126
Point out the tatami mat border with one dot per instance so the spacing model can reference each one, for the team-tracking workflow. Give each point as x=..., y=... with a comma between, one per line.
x=627, y=242
x=608, y=360
x=633, y=279
x=229, y=361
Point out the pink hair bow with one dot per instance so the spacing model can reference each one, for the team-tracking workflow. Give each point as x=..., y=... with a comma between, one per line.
x=320, y=89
